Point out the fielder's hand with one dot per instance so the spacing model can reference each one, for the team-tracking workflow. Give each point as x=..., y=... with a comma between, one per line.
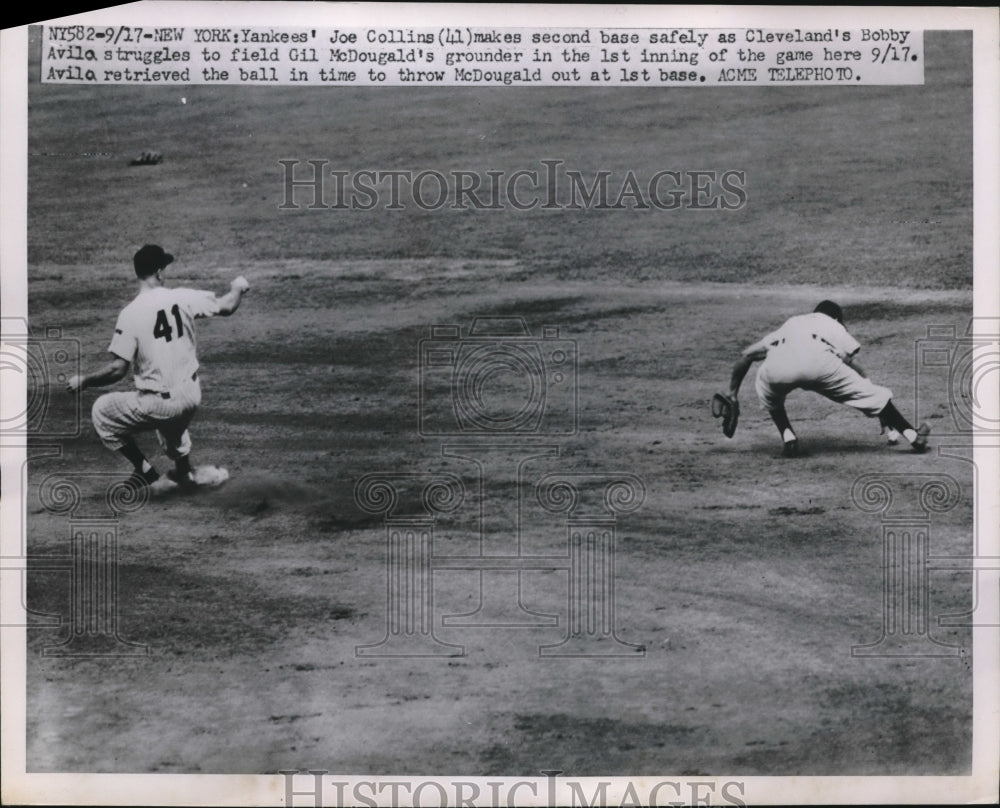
x=241, y=284
x=727, y=408
x=74, y=384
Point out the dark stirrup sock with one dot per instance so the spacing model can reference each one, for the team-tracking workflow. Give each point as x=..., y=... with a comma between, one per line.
x=143, y=468
x=890, y=416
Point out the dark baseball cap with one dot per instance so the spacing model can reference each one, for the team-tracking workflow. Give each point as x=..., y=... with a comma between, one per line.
x=149, y=259
x=830, y=309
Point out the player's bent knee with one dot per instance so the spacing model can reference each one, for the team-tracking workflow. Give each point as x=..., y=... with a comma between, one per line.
x=101, y=414
x=109, y=438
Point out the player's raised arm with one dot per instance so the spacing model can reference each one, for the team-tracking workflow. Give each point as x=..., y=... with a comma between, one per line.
x=230, y=301
x=110, y=373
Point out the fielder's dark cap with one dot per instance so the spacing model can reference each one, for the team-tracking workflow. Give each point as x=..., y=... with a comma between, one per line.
x=149, y=259
x=830, y=309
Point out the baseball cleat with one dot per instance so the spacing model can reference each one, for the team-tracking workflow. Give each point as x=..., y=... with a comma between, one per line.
x=891, y=435
x=185, y=481
x=144, y=479
x=920, y=442
x=790, y=449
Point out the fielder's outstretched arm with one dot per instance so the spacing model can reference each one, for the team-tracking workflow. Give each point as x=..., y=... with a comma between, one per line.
x=110, y=373
x=752, y=354
x=230, y=301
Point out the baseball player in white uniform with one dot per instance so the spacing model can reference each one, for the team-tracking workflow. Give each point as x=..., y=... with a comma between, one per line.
x=815, y=352
x=155, y=336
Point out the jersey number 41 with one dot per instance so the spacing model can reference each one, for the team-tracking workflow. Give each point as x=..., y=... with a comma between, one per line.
x=162, y=329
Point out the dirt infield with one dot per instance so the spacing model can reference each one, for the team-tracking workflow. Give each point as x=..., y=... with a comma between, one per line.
x=741, y=583
x=745, y=577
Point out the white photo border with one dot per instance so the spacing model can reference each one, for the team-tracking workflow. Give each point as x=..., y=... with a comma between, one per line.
x=20, y=787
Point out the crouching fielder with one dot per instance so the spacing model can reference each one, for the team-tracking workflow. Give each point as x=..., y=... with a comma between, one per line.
x=815, y=352
x=155, y=336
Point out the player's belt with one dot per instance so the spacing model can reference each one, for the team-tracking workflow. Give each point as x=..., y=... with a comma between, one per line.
x=194, y=378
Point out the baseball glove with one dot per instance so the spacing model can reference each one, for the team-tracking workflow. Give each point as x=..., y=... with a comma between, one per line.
x=728, y=409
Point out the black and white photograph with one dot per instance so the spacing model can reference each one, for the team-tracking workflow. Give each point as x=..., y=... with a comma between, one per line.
x=459, y=405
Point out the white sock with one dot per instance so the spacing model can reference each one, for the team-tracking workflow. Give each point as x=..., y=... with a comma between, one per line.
x=146, y=466
x=788, y=436
x=910, y=435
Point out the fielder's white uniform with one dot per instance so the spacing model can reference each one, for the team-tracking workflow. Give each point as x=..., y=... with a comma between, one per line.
x=808, y=353
x=155, y=333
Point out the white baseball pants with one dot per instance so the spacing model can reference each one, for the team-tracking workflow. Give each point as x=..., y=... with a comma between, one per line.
x=839, y=382
x=118, y=416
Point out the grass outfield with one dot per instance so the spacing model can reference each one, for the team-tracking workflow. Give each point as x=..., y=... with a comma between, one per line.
x=867, y=185
x=746, y=579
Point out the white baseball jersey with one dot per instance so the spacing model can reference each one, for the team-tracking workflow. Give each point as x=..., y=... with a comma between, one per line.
x=155, y=332
x=808, y=352
x=807, y=346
